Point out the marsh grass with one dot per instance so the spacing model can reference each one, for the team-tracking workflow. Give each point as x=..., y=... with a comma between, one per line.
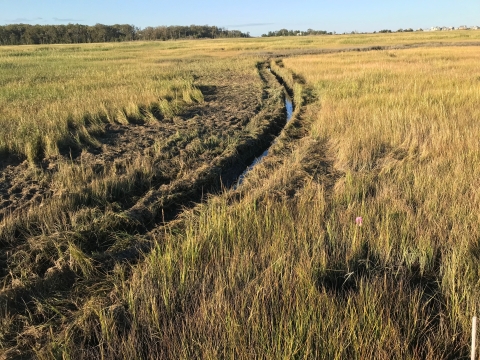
x=279, y=268
x=57, y=249
x=59, y=96
x=54, y=96
x=275, y=276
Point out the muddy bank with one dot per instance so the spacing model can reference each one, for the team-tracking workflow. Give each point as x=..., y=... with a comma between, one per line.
x=168, y=149
x=225, y=169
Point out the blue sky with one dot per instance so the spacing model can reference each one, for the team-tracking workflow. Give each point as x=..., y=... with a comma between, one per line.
x=254, y=16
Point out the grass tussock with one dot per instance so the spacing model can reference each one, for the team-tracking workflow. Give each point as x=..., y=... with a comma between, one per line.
x=265, y=280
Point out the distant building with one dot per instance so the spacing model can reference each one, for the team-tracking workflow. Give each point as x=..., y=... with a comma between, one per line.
x=436, y=28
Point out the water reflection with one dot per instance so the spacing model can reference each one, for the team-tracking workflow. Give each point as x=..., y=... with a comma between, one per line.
x=289, y=110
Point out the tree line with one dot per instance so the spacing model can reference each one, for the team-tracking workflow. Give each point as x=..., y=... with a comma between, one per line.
x=286, y=32
x=25, y=34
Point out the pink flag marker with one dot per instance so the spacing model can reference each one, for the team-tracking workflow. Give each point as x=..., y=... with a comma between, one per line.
x=359, y=221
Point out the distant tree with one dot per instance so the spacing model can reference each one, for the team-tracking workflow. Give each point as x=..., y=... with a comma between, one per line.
x=31, y=35
x=22, y=34
x=286, y=32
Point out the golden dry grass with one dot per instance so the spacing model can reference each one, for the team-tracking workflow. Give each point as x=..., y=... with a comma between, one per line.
x=278, y=268
x=48, y=90
x=402, y=127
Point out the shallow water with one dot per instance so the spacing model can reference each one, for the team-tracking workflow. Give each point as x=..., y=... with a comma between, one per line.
x=289, y=110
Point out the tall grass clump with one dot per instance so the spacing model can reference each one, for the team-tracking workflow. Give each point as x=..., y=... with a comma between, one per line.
x=402, y=129
x=263, y=279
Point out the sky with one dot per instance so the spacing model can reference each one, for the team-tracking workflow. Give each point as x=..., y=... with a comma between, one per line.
x=254, y=16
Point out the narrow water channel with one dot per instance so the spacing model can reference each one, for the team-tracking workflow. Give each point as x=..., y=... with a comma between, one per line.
x=289, y=111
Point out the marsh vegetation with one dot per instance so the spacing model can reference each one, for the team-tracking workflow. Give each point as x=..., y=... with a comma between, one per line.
x=132, y=246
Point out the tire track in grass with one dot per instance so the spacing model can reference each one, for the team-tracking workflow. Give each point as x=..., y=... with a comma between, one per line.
x=144, y=220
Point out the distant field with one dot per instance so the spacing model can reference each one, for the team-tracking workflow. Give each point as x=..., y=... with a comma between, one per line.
x=104, y=255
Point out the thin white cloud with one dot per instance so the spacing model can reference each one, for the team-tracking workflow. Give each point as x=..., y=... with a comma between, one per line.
x=25, y=20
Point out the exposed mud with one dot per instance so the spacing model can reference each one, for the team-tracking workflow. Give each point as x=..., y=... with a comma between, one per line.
x=9, y=160
x=21, y=186
x=289, y=113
